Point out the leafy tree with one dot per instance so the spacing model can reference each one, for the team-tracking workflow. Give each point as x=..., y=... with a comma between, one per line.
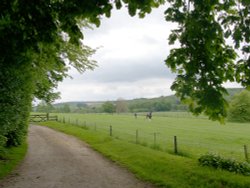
x=43, y=107
x=15, y=102
x=108, y=107
x=169, y=103
x=121, y=106
x=66, y=108
x=39, y=40
x=162, y=106
x=240, y=107
x=204, y=61
x=81, y=105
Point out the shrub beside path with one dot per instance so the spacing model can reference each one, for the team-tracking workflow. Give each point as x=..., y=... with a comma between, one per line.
x=56, y=160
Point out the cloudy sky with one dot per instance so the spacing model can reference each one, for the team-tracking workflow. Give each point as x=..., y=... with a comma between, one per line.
x=130, y=60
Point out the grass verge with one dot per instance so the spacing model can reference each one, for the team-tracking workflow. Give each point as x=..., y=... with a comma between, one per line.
x=11, y=158
x=158, y=167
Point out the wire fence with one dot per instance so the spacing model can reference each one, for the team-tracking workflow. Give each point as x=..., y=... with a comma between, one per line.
x=185, y=146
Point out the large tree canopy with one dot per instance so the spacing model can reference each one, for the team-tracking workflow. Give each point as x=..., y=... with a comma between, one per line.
x=44, y=33
x=204, y=61
x=40, y=39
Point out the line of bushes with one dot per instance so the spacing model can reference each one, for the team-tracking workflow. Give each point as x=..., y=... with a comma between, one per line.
x=231, y=165
x=15, y=103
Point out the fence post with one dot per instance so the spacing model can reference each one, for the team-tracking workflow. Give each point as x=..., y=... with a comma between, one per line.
x=175, y=145
x=136, y=136
x=47, y=116
x=110, y=130
x=63, y=119
x=246, y=153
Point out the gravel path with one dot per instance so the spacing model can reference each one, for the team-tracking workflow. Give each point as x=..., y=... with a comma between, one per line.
x=56, y=160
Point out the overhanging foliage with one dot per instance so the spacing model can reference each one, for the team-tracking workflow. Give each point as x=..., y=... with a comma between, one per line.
x=37, y=36
x=204, y=61
x=39, y=40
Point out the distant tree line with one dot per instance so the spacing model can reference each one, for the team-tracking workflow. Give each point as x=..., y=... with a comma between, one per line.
x=239, y=106
x=120, y=106
x=158, y=105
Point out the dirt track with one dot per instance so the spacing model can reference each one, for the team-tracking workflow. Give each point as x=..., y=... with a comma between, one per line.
x=56, y=160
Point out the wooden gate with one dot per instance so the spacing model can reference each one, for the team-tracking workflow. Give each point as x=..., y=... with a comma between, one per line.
x=42, y=117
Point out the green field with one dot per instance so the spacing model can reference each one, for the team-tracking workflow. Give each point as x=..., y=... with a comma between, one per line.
x=195, y=136
x=152, y=158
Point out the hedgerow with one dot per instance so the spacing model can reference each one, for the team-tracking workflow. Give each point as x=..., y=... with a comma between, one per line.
x=15, y=102
x=231, y=165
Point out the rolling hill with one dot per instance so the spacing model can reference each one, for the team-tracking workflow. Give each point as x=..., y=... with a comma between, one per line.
x=163, y=103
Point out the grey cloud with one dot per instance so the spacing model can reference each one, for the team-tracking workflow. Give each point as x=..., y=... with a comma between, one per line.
x=121, y=19
x=127, y=71
x=125, y=64
x=135, y=71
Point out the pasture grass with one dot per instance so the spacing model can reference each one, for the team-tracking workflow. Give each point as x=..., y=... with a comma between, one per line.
x=156, y=166
x=11, y=158
x=195, y=136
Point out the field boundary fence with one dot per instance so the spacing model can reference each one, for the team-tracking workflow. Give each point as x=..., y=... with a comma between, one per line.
x=155, y=140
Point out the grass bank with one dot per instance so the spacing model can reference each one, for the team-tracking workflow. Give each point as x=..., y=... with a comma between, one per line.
x=195, y=136
x=10, y=158
x=158, y=167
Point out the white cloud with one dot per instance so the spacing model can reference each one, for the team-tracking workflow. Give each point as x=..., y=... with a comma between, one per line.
x=130, y=60
x=96, y=91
